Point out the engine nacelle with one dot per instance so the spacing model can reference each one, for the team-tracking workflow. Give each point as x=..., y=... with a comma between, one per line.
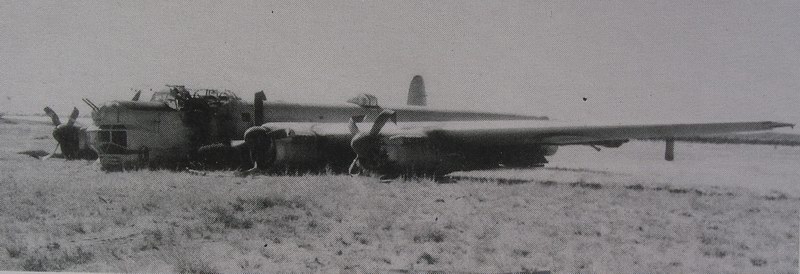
x=299, y=151
x=549, y=150
x=410, y=154
x=420, y=155
x=526, y=156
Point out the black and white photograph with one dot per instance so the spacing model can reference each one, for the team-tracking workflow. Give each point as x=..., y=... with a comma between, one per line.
x=352, y=136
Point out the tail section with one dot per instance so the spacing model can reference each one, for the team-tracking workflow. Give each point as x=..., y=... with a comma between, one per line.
x=416, y=92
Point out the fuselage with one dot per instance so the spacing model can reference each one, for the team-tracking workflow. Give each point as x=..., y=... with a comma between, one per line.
x=161, y=132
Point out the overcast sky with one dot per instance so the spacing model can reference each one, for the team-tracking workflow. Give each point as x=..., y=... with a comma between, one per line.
x=631, y=60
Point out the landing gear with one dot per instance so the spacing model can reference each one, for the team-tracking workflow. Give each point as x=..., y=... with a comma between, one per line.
x=669, y=152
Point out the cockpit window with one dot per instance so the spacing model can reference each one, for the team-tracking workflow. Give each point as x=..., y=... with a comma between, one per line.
x=120, y=138
x=104, y=136
x=112, y=139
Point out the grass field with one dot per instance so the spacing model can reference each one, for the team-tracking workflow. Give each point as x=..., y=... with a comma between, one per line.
x=69, y=216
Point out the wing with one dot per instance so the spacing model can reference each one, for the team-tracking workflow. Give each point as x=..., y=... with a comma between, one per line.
x=444, y=146
x=528, y=132
x=542, y=133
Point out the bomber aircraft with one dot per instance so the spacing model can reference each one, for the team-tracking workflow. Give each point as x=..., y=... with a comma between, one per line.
x=179, y=126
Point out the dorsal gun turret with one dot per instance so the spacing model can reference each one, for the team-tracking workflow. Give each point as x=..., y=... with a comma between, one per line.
x=365, y=100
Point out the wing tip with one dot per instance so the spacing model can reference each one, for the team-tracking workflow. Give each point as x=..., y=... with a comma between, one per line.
x=780, y=124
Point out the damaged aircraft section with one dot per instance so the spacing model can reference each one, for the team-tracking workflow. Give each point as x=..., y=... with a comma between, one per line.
x=205, y=128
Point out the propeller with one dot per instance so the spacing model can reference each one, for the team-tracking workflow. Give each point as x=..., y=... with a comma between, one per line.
x=259, y=142
x=66, y=135
x=255, y=142
x=366, y=145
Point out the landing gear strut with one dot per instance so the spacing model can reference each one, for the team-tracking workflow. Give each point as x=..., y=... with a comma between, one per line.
x=669, y=153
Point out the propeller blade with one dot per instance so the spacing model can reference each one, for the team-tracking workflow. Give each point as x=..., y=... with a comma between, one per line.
x=353, y=120
x=355, y=167
x=53, y=116
x=385, y=116
x=51, y=154
x=73, y=116
x=254, y=142
x=136, y=96
x=258, y=108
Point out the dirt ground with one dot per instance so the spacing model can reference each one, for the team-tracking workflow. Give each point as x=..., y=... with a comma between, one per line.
x=624, y=211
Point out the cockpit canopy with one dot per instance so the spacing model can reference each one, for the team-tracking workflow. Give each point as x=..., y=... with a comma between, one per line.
x=176, y=97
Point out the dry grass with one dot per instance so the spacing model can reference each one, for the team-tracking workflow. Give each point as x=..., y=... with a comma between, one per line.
x=58, y=215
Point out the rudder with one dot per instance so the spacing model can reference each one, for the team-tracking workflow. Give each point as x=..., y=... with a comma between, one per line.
x=416, y=92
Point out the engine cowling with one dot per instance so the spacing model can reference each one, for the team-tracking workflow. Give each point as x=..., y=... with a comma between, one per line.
x=526, y=156
x=299, y=151
x=414, y=155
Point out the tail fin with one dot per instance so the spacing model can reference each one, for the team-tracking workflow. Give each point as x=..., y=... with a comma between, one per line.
x=416, y=92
